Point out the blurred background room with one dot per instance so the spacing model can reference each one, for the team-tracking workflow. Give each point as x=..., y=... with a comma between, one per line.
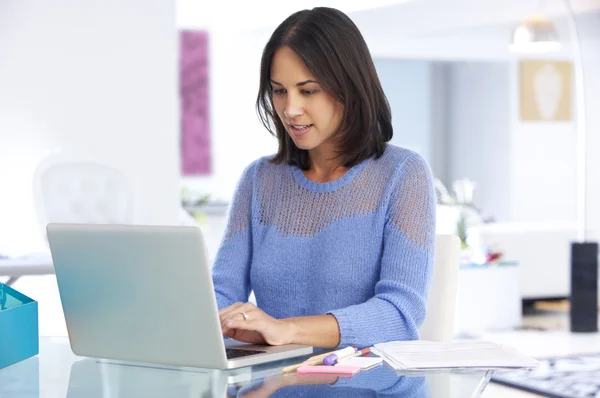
x=143, y=112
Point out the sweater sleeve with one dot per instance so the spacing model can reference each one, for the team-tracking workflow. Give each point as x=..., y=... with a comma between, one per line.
x=231, y=269
x=398, y=307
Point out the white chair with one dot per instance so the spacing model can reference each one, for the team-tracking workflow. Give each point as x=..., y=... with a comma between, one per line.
x=72, y=188
x=441, y=302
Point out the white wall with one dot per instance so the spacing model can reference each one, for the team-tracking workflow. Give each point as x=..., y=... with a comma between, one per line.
x=407, y=85
x=439, y=121
x=478, y=132
x=592, y=63
x=417, y=93
x=543, y=154
x=237, y=136
x=89, y=76
x=543, y=157
x=540, y=157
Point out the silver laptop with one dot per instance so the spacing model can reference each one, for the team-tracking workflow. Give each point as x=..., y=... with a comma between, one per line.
x=144, y=294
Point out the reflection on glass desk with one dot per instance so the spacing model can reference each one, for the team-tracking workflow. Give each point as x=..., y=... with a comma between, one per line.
x=59, y=373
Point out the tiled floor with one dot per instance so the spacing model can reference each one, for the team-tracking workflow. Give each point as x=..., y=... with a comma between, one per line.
x=546, y=334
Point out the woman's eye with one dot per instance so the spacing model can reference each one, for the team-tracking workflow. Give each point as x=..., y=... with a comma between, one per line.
x=309, y=92
x=279, y=91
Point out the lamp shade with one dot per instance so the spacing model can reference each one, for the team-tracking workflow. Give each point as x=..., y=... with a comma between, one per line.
x=535, y=35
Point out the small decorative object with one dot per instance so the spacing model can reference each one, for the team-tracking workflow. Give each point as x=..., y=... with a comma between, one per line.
x=546, y=90
x=442, y=194
x=463, y=191
x=19, y=326
x=467, y=215
x=493, y=257
x=461, y=230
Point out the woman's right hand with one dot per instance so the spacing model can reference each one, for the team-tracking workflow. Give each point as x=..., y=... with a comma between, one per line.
x=272, y=384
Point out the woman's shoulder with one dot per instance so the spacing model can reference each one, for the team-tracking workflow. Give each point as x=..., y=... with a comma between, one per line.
x=263, y=165
x=400, y=154
x=402, y=160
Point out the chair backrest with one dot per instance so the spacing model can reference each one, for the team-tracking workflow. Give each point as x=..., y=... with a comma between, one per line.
x=441, y=302
x=77, y=189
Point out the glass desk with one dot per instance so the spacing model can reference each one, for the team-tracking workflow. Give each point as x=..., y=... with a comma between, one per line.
x=58, y=373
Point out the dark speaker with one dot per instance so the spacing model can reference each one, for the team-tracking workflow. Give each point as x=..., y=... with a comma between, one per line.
x=584, y=287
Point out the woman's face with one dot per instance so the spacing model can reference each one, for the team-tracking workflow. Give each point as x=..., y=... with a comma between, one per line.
x=310, y=115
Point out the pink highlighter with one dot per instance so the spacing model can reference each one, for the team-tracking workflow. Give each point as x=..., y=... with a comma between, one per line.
x=335, y=370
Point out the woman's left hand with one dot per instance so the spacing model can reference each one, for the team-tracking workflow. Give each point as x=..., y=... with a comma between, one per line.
x=248, y=323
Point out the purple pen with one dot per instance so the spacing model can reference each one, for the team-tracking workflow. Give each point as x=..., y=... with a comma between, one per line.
x=330, y=359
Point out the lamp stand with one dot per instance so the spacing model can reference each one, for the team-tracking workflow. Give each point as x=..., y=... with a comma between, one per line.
x=584, y=254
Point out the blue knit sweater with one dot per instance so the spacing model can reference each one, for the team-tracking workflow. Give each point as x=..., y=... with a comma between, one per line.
x=360, y=247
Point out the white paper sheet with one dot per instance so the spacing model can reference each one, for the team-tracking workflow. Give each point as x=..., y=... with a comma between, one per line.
x=405, y=355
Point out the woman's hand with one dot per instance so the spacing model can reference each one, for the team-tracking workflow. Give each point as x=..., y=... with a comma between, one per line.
x=272, y=384
x=248, y=323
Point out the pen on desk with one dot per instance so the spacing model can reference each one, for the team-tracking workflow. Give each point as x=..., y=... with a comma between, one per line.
x=316, y=360
x=362, y=352
x=309, y=361
x=330, y=359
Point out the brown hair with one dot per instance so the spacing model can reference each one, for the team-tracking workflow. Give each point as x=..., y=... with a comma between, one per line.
x=335, y=52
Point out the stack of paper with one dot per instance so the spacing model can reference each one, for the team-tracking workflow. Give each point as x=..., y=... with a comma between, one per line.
x=417, y=355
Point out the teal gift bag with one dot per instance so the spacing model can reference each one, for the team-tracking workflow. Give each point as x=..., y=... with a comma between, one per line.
x=18, y=326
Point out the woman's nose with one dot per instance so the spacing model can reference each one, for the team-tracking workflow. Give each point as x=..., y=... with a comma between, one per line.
x=293, y=109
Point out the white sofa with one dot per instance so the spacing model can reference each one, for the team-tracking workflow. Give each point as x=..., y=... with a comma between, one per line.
x=541, y=249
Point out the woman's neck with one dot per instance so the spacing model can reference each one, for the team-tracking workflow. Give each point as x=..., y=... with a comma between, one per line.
x=324, y=166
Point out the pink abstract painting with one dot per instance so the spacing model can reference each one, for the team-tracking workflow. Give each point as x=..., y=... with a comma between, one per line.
x=193, y=84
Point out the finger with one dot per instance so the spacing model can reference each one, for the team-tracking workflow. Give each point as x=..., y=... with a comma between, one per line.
x=243, y=310
x=237, y=308
x=225, y=314
x=227, y=325
x=245, y=313
x=235, y=319
x=228, y=311
x=238, y=317
x=229, y=333
x=230, y=323
x=230, y=308
x=254, y=322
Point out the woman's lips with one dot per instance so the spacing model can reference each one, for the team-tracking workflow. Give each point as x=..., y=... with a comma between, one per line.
x=298, y=132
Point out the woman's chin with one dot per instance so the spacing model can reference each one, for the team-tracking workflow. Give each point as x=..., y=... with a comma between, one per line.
x=302, y=143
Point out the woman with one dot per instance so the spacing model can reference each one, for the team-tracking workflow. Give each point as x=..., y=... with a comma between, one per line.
x=335, y=233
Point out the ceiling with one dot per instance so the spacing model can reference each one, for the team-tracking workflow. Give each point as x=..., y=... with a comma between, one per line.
x=405, y=17
x=477, y=42
x=242, y=15
x=435, y=17
x=425, y=29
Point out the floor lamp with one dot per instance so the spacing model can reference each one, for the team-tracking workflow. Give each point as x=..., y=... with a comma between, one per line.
x=534, y=35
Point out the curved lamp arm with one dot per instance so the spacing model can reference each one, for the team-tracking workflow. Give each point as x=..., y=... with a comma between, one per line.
x=580, y=125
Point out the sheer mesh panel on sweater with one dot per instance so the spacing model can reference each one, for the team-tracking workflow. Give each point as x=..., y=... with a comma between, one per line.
x=240, y=212
x=411, y=202
x=296, y=211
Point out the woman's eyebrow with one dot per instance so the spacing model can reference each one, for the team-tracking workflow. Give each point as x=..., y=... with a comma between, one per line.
x=297, y=84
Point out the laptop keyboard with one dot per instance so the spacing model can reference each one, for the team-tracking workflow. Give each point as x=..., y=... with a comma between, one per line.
x=236, y=353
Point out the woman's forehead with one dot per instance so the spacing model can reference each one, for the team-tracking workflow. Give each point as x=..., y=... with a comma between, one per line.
x=288, y=66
